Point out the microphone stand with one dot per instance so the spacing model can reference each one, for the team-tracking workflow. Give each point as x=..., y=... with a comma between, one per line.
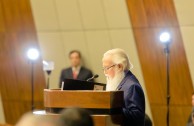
x=32, y=85
x=167, y=52
x=93, y=77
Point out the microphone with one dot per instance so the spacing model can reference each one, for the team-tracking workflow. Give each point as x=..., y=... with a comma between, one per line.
x=93, y=77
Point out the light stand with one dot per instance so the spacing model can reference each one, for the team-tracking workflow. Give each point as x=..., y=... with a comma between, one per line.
x=165, y=38
x=167, y=51
x=32, y=85
x=32, y=55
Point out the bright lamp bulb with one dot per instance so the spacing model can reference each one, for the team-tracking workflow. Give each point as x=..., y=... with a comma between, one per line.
x=165, y=37
x=45, y=63
x=33, y=54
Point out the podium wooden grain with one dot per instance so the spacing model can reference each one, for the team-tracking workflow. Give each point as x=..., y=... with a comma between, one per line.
x=88, y=99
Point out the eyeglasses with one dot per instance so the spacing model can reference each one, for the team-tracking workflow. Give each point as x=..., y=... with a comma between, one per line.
x=107, y=68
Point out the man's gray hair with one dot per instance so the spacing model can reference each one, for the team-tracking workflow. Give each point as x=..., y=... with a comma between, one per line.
x=119, y=56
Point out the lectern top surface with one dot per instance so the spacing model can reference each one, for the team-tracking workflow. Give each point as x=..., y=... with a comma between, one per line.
x=59, y=90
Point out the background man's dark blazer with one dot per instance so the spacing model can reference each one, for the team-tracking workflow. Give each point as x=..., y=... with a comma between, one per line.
x=190, y=123
x=134, y=106
x=67, y=73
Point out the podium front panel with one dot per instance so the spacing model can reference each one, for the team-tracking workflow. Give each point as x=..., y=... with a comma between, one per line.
x=83, y=99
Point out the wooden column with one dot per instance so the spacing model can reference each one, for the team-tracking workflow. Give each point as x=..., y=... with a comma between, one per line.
x=17, y=34
x=149, y=18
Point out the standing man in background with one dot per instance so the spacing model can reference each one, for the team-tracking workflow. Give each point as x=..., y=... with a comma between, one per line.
x=191, y=117
x=76, y=71
x=116, y=67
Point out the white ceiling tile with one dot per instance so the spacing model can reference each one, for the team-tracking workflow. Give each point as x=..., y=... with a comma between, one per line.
x=117, y=13
x=44, y=13
x=185, y=12
x=69, y=15
x=92, y=14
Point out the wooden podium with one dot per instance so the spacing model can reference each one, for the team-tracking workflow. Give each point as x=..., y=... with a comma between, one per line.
x=105, y=106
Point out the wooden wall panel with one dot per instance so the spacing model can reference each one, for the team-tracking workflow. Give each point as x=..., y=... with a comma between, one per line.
x=149, y=18
x=17, y=34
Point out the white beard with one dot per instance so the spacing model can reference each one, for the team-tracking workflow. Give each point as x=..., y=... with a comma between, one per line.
x=112, y=83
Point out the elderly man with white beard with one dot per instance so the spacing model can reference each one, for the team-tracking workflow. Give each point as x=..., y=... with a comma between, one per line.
x=116, y=67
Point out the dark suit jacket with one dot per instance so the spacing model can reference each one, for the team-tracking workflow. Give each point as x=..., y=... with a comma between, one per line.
x=189, y=123
x=67, y=73
x=134, y=101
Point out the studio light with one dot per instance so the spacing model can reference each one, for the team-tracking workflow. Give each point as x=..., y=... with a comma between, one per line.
x=32, y=54
x=45, y=63
x=165, y=37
